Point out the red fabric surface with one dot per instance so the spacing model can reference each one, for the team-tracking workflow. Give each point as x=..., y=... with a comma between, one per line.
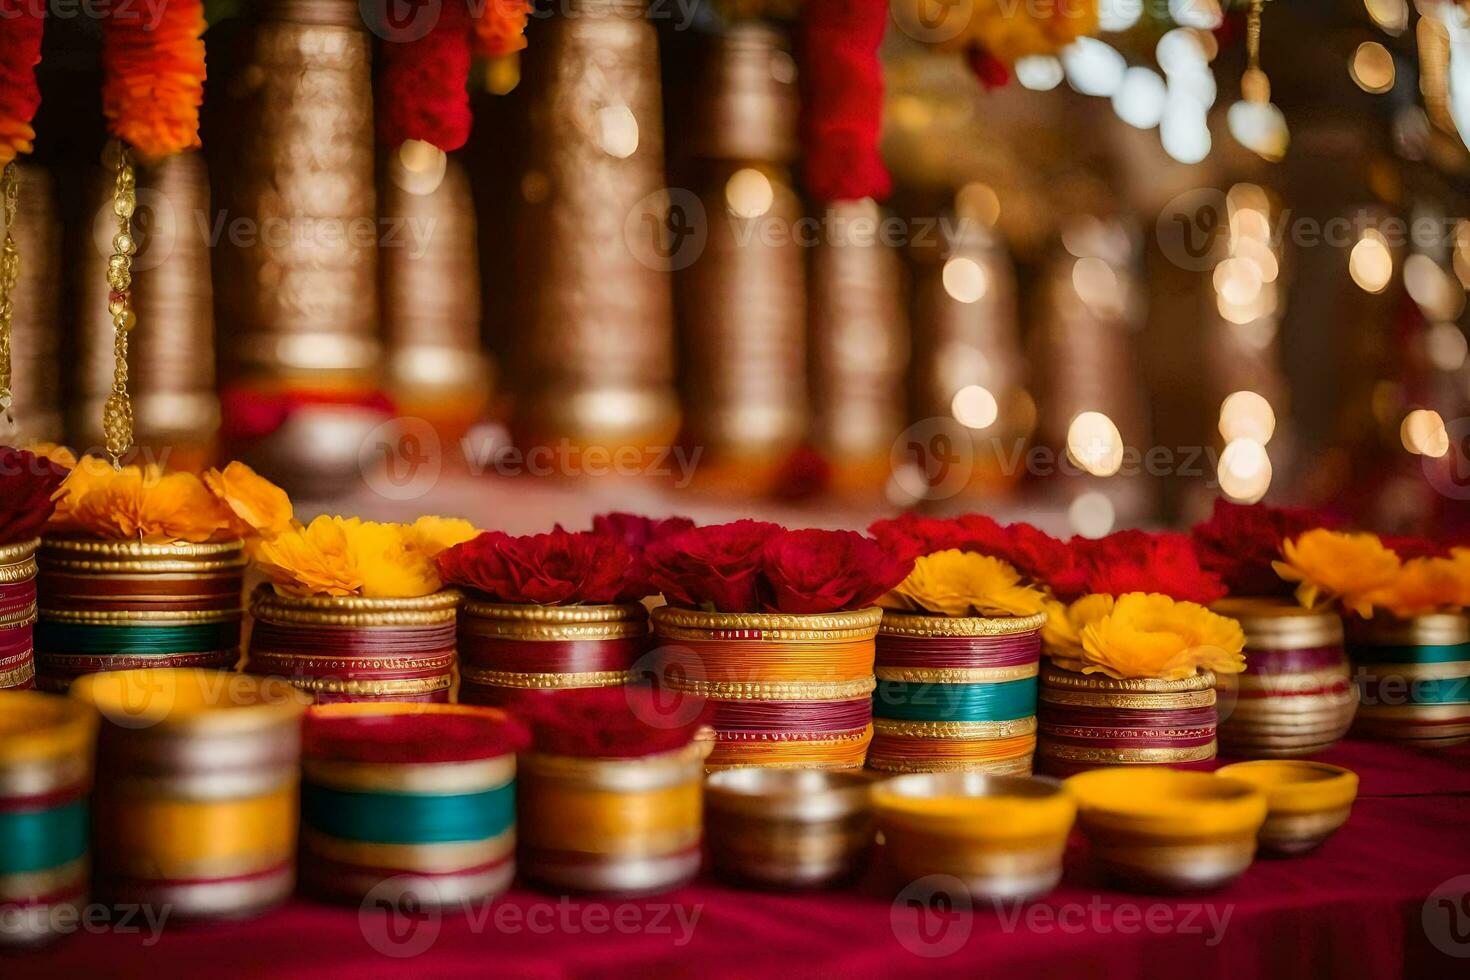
x=1353, y=908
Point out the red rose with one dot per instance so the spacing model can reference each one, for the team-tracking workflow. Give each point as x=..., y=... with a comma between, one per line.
x=715, y=567
x=1137, y=561
x=1239, y=542
x=1045, y=560
x=27, y=483
x=637, y=531
x=557, y=568
x=815, y=571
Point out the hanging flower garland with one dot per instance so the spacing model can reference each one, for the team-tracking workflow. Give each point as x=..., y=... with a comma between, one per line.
x=500, y=28
x=20, y=97
x=842, y=99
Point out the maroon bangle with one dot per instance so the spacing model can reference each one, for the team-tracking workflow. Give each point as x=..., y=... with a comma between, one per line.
x=549, y=656
x=15, y=596
x=15, y=640
x=85, y=590
x=396, y=641
x=1010, y=650
x=783, y=716
x=1293, y=661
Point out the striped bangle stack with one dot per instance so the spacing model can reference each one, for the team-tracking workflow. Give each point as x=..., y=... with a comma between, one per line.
x=17, y=615
x=124, y=605
x=1414, y=677
x=956, y=693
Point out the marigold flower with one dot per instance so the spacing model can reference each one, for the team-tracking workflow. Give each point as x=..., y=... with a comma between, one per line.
x=1061, y=637
x=1426, y=585
x=962, y=583
x=1349, y=567
x=1154, y=636
x=138, y=503
x=312, y=560
x=260, y=507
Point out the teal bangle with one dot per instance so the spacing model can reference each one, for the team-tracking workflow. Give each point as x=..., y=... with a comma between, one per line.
x=408, y=818
x=922, y=701
x=1444, y=690
x=1428, y=654
x=38, y=840
x=136, y=640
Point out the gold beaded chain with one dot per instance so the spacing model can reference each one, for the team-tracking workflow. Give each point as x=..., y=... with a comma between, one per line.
x=117, y=414
x=1254, y=85
x=9, y=276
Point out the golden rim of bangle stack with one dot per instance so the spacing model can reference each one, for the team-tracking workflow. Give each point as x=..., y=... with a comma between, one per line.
x=530, y=681
x=1281, y=624
x=956, y=675
x=1124, y=755
x=401, y=687
x=1434, y=629
x=131, y=617
x=499, y=621
x=354, y=611
x=18, y=561
x=956, y=729
x=19, y=551
x=637, y=774
x=675, y=623
x=1103, y=684
x=917, y=624
x=19, y=618
x=777, y=690
x=90, y=555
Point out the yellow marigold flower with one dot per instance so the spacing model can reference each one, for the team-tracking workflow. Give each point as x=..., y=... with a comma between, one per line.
x=260, y=507
x=1425, y=585
x=1062, y=634
x=311, y=560
x=1152, y=635
x=393, y=564
x=1008, y=31
x=962, y=583
x=1337, y=565
x=434, y=534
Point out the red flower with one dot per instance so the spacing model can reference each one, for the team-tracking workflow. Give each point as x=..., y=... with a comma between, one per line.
x=1043, y=559
x=842, y=98
x=557, y=568
x=1137, y=561
x=1239, y=542
x=1407, y=547
x=1046, y=560
x=422, y=92
x=604, y=722
x=27, y=483
x=816, y=571
x=637, y=531
x=715, y=567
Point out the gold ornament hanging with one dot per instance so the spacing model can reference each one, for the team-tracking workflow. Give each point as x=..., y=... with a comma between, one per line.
x=117, y=413
x=1254, y=85
x=9, y=277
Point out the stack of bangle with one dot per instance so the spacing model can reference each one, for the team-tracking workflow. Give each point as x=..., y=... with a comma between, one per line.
x=787, y=690
x=46, y=745
x=956, y=693
x=17, y=615
x=349, y=648
x=121, y=605
x=1414, y=676
x=196, y=801
x=417, y=798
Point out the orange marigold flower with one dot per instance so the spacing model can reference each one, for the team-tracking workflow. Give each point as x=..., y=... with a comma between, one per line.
x=340, y=556
x=500, y=27
x=311, y=560
x=1154, y=636
x=137, y=503
x=1426, y=585
x=963, y=583
x=1348, y=567
x=259, y=506
x=153, y=75
x=434, y=534
x=1061, y=637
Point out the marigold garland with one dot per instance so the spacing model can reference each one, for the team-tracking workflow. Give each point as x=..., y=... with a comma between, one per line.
x=500, y=27
x=20, y=53
x=842, y=103
x=962, y=583
x=153, y=75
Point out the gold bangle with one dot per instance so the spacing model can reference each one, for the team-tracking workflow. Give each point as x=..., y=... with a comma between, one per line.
x=674, y=623
x=1101, y=683
x=777, y=690
x=132, y=617
x=374, y=688
x=475, y=776
x=70, y=548
x=445, y=858
x=1449, y=670
x=311, y=661
x=1076, y=753
x=132, y=569
x=24, y=887
x=956, y=675
x=18, y=619
x=912, y=624
x=22, y=571
x=1020, y=765
x=536, y=681
x=18, y=552
x=1433, y=629
x=1286, y=683
x=955, y=729
x=17, y=676
x=491, y=629
x=1143, y=702
x=504, y=612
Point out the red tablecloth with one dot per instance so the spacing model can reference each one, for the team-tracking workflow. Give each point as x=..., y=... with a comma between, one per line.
x=1356, y=907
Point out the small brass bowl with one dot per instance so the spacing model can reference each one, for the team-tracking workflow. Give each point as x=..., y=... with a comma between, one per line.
x=788, y=828
x=1306, y=801
x=1003, y=836
x=1154, y=829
